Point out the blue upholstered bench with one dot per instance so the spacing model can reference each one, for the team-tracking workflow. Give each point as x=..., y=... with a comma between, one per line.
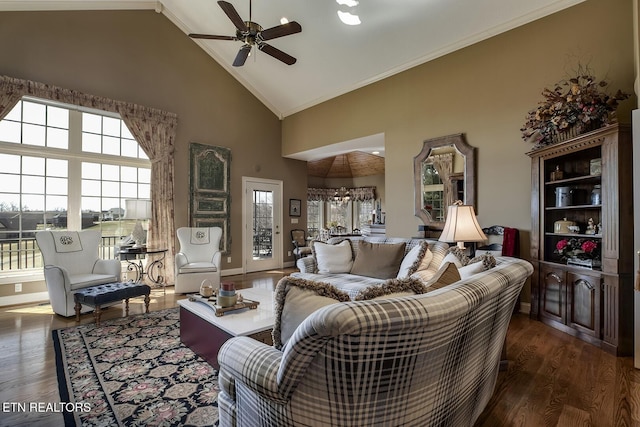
x=96, y=296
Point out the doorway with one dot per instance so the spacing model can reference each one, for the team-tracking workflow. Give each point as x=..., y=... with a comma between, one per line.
x=262, y=219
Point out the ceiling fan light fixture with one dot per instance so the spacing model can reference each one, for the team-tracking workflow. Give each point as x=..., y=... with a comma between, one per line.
x=348, y=3
x=349, y=19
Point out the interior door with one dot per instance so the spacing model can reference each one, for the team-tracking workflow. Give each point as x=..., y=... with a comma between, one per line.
x=262, y=233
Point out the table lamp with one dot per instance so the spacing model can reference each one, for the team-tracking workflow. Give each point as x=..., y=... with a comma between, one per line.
x=138, y=209
x=461, y=226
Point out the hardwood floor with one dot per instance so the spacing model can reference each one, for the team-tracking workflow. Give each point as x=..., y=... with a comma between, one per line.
x=552, y=380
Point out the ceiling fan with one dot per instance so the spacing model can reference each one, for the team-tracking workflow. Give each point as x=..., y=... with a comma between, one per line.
x=252, y=34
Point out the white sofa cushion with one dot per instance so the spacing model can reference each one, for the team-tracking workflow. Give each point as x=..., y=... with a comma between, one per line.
x=198, y=267
x=418, y=258
x=336, y=258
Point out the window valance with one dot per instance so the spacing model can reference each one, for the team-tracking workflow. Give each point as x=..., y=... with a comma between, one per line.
x=327, y=194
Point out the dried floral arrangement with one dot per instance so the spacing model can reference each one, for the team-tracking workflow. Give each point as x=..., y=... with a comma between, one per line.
x=574, y=105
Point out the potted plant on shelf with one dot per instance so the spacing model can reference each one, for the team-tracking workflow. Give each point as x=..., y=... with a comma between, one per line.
x=575, y=105
x=580, y=252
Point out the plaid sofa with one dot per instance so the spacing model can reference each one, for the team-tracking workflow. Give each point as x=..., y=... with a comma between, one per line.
x=352, y=283
x=419, y=360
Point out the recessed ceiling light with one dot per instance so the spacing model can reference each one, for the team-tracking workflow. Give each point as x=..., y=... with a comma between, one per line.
x=284, y=20
x=375, y=152
x=350, y=3
x=348, y=18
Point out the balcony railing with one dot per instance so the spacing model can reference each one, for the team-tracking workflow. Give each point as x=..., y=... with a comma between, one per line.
x=24, y=254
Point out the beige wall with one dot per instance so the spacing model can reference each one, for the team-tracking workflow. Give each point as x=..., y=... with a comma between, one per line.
x=141, y=57
x=483, y=91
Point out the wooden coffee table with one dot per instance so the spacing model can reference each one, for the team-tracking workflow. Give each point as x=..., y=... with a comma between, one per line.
x=204, y=333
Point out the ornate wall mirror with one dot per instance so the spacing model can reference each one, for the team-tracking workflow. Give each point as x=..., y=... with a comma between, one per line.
x=444, y=171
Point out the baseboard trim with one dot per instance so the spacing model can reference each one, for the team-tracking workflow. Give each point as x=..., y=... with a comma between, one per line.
x=24, y=298
x=236, y=271
x=525, y=308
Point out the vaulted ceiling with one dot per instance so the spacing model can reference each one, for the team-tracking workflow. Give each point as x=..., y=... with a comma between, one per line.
x=332, y=58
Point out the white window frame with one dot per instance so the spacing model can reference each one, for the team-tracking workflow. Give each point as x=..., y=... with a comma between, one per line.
x=75, y=157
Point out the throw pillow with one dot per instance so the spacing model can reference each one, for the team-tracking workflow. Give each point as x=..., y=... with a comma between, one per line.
x=477, y=264
x=295, y=299
x=445, y=276
x=333, y=258
x=392, y=288
x=379, y=260
x=413, y=260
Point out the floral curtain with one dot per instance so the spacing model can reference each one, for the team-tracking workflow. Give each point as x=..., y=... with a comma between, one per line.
x=326, y=194
x=155, y=131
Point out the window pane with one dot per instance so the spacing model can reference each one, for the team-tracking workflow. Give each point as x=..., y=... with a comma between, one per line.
x=111, y=145
x=91, y=204
x=111, y=172
x=10, y=183
x=32, y=184
x=142, y=154
x=128, y=174
x=144, y=191
x=91, y=143
x=16, y=113
x=9, y=202
x=129, y=148
x=56, y=203
x=33, y=135
x=110, y=203
x=144, y=175
x=129, y=190
x=124, y=132
x=90, y=188
x=57, y=138
x=91, y=170
x=110, y=188
x=111, y=126
x=9, y=163
x=58, y=117
x=91, y=123
x=56, y=185
x=33, y=202
x=57, y=167
x=10, y=131
x=34, y=113
x=32, y=165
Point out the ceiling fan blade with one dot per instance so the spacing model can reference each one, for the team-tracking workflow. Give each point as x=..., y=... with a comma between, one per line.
x=242, y=55
x=277, y=53
x=211, y=37
x=280, y=30
x=233, y=15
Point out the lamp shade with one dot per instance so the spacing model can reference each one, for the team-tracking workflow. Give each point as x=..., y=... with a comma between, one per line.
x=137, y=209
x=461, y=225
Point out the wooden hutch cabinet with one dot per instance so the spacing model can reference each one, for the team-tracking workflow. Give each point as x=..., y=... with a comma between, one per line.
x=593, y=303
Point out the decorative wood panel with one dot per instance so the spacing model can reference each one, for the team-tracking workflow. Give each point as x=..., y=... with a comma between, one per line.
x=209, y=204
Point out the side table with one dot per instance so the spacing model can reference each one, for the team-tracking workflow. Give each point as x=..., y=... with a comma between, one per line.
x=134, y=256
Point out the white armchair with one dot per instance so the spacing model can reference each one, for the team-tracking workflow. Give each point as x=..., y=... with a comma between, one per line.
x=71, y=262
x=198, y=259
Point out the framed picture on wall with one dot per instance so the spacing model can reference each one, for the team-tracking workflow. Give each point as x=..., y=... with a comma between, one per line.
x=295, y=206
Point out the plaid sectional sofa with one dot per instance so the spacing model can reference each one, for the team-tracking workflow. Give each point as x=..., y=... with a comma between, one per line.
x=420, y=360
x=351, y=283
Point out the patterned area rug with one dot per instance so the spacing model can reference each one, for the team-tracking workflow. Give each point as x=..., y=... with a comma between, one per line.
x=134, y=371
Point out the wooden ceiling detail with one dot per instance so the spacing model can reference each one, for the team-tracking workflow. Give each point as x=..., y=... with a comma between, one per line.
x=349, y=165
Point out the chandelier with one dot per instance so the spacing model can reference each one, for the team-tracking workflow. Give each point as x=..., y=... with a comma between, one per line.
x=342, y=196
